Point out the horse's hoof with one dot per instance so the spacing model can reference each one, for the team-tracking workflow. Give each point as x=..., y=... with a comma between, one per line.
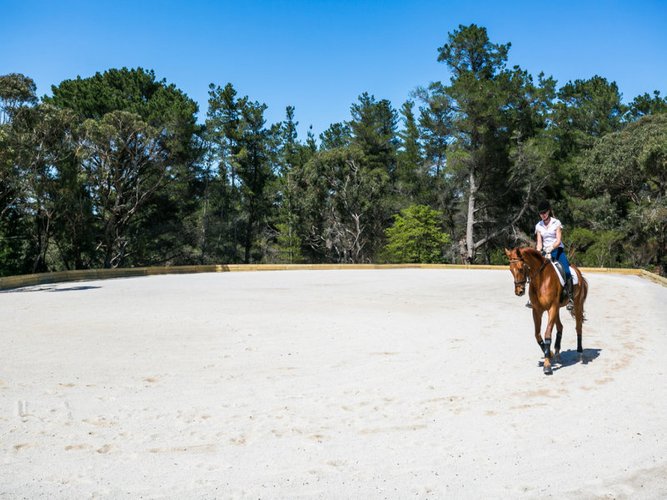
x=548, y=370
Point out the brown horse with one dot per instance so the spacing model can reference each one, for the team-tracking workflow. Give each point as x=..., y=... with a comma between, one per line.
x=545, y=292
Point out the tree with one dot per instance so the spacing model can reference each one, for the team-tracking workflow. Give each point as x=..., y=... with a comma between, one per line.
x=163, y=231
x=125, y=164
x=435, y=125
x=247, y=155
x=416, y=236
x=16, y=91
x=373, y=127
x=409, y=170
x=480, y=90
x=586, y=110
x=292, y=156
x=341, y=206
x=338, y=135
x=630, y=168
x=644, y=105
x=222, y=209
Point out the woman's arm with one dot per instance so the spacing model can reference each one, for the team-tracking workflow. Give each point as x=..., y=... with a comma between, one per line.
x=539, y=242
x=558, y=238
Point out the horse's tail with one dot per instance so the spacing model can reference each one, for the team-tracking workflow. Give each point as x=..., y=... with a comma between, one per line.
x=583, y=293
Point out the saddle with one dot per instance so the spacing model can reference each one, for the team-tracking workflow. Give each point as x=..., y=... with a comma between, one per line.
x=561, y=277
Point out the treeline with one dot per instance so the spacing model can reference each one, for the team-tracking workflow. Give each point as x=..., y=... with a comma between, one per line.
x=114, y=170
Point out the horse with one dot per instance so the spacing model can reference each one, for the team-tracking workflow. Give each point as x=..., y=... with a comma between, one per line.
x=545, y=292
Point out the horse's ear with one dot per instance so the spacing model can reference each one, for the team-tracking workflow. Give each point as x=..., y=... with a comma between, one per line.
x=507, y=252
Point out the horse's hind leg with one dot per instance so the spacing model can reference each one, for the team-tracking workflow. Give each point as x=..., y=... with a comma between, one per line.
x=580, y=298
x=553, y=317
x=579, y=322
x=559, y=335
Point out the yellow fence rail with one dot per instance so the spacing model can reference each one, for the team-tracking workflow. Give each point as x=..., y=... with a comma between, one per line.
x=11, y=282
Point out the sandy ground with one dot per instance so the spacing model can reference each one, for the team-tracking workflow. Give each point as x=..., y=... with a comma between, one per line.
x=328, y=384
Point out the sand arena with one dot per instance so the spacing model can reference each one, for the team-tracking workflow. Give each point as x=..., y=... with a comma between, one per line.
x=328, y=384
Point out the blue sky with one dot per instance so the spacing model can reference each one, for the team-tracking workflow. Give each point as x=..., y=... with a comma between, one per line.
x=319, y=56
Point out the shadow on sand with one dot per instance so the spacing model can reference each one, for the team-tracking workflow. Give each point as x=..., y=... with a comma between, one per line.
x=571, y=357
x=50, y=288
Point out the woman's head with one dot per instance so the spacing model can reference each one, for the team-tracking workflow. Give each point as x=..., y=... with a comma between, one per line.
x=544, y=207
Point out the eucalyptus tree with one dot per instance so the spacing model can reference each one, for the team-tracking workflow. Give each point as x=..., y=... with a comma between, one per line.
x=124, y=163
x=342, y=204
x=16, y=91
x=38, y=145
x=161, y=231
x=17, y=96
x=628, y=170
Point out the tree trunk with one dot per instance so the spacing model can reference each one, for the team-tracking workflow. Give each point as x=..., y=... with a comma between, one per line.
x=470, y=222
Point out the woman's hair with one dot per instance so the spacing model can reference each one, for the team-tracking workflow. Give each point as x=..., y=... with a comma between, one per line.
x=543, y=206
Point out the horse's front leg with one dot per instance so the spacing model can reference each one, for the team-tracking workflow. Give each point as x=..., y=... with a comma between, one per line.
x=537, y=321
x=579, y=318
x=553, y=314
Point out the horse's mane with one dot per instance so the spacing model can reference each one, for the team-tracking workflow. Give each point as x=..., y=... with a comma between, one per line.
x=530, y=251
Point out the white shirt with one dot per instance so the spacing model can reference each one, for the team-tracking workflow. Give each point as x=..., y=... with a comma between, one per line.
x=548, y=232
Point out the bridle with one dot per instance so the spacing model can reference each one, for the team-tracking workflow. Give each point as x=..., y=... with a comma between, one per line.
x=527, y=272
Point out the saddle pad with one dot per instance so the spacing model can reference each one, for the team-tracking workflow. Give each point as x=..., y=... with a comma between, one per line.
x=561, y=278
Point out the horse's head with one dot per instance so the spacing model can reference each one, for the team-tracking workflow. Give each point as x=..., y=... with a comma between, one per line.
x=519, y=270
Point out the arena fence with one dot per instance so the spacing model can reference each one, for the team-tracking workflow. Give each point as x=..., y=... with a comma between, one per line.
x=12, y=282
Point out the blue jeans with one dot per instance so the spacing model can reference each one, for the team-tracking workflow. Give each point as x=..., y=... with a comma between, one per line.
x=559, y=255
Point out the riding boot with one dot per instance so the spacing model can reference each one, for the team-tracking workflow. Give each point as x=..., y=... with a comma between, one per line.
x=570, y=297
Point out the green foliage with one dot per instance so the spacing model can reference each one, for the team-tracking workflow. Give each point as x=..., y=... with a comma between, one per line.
x=373, y=128
x=124, y=164
x=630, y=168
x=595, y=248
x=409, y=165
x=644, y=105
x=245, y=150
x=289, y=244
x=416, y=236
x=341, y=211
x=16, y=91
x=586, y=110
x=338, y=135
x=114, y=170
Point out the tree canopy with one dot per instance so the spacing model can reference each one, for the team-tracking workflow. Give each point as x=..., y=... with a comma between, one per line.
x=114, y=170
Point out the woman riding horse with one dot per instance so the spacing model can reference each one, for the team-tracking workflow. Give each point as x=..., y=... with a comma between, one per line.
x=527, y=265
x=550, y=243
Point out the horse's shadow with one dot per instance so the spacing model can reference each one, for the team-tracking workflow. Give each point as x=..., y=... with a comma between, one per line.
x=572, y=357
